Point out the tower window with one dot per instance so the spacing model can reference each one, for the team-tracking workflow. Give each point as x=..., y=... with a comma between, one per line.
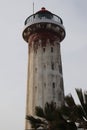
x=43, y=49
x=52, y=66
x=53, y=89
x=59, y=96
x=60, y=69
x=51, y=49
x=35, y=88
x=61, y=84
x=35, y=69
x=45, y=85
x=53, y=85
x=44, y=66
x=35, y=51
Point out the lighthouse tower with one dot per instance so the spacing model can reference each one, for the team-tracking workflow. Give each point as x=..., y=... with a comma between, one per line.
x=43, y=31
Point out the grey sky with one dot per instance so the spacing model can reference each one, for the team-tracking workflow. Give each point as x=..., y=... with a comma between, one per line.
x=13, y=53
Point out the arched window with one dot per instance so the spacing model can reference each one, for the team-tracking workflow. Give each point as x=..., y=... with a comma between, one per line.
x=35, y=88
x=35, y=69
x=60, y=69
x=44, y=49
x=53, y=85
x=44, y=85
x=61, y=83
x=44, y=66
x=59, y=96
x=53, y=90
x=52, y=66
x=51, y=49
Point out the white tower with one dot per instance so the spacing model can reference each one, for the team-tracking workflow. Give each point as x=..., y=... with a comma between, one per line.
x=43, y=32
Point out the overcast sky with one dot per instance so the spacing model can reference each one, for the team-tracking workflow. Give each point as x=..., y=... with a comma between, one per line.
x=13, y=53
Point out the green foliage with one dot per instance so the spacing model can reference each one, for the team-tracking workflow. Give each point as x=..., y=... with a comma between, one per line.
x=39, y=112
x=83, y=100
x=35, y=122
x=64, y=118
x=76, y=112
x=49, y=118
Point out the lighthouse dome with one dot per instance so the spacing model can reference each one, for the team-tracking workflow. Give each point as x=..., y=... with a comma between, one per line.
x=43, y=14
x=43, y=20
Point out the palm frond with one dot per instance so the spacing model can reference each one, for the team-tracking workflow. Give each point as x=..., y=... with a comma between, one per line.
x=85, y=96
x=50, y=106
x=71, y=126
x=35, y=122
x=85, y=105
x=79, y=114
x=69, y=100
x=82, y=98
x=39, y=112
x=65, y=110
x=72, y=111
x=49, y=111
x=33, y=119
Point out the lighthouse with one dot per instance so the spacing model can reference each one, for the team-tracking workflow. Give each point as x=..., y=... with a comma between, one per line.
x=44, y=31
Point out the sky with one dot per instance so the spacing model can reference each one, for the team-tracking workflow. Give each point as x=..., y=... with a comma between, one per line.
x=14, y=53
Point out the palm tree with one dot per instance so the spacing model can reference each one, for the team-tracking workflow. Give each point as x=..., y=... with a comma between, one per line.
x=83, y=101
x=76, y=112
x=50, y=118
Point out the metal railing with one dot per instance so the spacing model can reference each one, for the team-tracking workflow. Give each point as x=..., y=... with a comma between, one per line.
x=45, y=16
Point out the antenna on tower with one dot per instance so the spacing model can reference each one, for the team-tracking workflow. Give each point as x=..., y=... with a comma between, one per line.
x=33, y=8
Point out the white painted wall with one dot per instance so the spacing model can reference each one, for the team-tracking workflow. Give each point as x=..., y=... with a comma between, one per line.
x=44, y=83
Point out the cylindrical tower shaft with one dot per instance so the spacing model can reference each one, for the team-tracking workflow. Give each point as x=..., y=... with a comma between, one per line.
x=45, y=78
